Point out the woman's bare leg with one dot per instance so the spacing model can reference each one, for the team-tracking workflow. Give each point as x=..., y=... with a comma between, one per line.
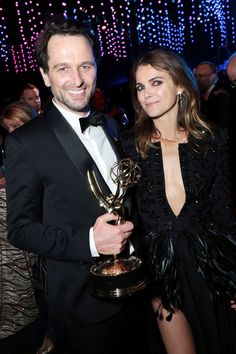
x=176, y=333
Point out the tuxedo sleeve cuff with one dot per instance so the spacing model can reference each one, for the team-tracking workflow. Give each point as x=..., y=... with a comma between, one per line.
x=92, y=245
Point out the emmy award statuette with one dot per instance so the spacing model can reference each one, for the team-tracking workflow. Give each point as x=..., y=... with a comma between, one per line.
x=116, y=277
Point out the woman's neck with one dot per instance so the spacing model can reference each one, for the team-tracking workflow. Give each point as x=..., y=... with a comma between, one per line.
x=169, y=130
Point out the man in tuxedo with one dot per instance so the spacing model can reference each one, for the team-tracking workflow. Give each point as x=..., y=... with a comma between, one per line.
x=51, y=210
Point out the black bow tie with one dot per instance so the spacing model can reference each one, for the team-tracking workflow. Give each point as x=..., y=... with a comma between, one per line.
x=93, y=119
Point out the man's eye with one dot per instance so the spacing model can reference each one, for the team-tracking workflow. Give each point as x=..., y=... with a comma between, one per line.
x=85, y=67
x=62, y=69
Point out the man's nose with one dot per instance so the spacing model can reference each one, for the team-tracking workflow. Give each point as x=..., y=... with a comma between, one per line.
x=77, y=77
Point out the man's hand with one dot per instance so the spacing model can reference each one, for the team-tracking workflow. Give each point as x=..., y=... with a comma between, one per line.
x=111, y=239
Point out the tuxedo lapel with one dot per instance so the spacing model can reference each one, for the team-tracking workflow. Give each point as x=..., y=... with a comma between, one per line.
x=76, y=151
x=73, y=146
x=69, y=140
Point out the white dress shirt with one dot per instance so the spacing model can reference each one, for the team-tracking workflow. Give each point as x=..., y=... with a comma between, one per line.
x=98, y=146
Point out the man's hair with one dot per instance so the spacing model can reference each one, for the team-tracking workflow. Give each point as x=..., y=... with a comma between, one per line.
x=27, y=86
x=211, y=65
x=59, y=25
x=232, y=56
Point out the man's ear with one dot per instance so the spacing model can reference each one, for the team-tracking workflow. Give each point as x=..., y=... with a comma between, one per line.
x=45, y=77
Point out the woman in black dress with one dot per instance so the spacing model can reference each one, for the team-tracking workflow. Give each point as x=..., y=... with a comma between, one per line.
x=184, y=205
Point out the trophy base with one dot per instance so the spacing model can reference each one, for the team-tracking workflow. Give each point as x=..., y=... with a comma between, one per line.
x=117, y=277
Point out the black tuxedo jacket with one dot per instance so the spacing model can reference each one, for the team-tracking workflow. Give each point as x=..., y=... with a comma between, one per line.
x=51, y=209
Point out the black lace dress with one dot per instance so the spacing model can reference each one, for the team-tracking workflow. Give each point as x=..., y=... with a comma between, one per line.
x=191, y=257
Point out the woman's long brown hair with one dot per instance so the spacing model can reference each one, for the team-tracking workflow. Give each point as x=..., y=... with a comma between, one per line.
x=189, y=119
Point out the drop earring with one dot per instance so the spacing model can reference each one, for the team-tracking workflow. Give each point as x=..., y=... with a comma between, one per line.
x=181, y=102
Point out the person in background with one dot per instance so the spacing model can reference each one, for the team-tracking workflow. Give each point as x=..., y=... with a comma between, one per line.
x=51, y=209
x=30, y=95
x=19, y=317
x=100, y=103
x=231, y=73
x=215, y=100
x=231, y=69
x=15, y=115
x=3, y=134
x=184, y=204
x=222, y=79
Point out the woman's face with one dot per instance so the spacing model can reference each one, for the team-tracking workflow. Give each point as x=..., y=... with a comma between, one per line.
x=10, y=124
x=156, y=91
x=17, y=118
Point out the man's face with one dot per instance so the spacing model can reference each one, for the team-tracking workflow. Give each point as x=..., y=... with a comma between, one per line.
x=231, y=70
x=205, y=77
x=31, y=97
x=72, y=72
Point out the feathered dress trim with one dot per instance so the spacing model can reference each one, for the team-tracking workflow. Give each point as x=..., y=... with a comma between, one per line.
x=213, y=253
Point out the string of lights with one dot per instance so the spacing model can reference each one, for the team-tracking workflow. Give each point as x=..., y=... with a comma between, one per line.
x=121, y=26
x=4, y=47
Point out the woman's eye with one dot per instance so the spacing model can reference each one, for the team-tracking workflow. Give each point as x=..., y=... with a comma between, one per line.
x=157, y=83
x=139, y=88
